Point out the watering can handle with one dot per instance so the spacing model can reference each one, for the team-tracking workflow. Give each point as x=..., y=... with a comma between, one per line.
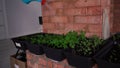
x=104, y=50
x=108, y=46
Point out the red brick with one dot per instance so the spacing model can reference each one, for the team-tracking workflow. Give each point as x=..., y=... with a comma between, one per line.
x=117, y=1
x=54, y=26
x=59, y=12
x=59, y=19
x=29, y=63
x=48, y=26
x=48, y=12
x=117, y=11
x=116, y=15
x=56, y=31
x=94, y=10
x=68, y=27
x=29, y=67
x=69, y=4
x=116, y=27
x=69, y=67
x=60, y=66
x=80, y=11
x=116, y=21
x=65, y=62
x=59, y=26
x=46, y=19
x=40, y=66
x=116, y=30
x=83, y=3
x=44, y=8
x=75, y=11
x=70, y=1
x=50, y=64
x=106, y=2
x=79, y=27
x=35, y=65
x=44, y=67
x=45, y=30
x=56, y=5
x=42, y=61
x=70, y=19
x=88, y=19
x=81, y=19
x=54, y=0
x=29, y=56
x=75, y=27
x=94, y=19
x=95, y=28
x=91, y=34
x=69, y=11
x=55, y=65
x=116, y=6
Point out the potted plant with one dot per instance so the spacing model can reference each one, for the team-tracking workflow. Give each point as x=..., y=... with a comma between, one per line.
x=80, y=54
x=54, y=47
x=112, y=58
x=35, y=44
x=20, y=42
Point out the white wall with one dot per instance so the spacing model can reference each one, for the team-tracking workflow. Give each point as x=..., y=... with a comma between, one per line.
x=2, y=22
x=7, y=48
x=22, y=19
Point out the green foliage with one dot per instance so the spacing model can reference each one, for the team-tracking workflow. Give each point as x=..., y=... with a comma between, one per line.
x=87, y=46
x=116, y=37
x=79, y=43
x=40, y=39
x=114, y=54
x=33, y=39
x=82, y=36
x=56, y=41
x=96, y=41
x=71, y=39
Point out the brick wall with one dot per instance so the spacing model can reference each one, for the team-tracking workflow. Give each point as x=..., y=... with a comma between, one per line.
x=41, y=61
x=66, y=15
x=116, y=17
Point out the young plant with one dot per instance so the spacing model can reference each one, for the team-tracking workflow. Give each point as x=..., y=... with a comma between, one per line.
x=40, y=39
x=87, y=46
x=37, y=39
x=96, y=43
x=71, y=39
x=83, y=48
x=33, y=40
x=56, y=41
x=114, y=54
